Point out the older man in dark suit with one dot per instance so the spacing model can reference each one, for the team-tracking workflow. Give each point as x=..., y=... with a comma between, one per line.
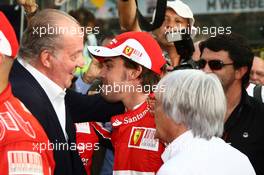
x=51, y=50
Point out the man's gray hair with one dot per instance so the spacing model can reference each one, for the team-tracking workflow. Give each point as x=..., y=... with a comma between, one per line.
x=33, y=43
x=195, y=99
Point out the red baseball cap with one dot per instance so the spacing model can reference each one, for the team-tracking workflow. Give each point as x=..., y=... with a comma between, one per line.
x=8, y=41
x=139, y=47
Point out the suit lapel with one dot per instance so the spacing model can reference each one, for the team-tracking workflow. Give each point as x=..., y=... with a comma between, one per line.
x=31, y=81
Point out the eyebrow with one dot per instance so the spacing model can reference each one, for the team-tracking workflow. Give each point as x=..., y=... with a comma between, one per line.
x=76, y=52
x=108, y=60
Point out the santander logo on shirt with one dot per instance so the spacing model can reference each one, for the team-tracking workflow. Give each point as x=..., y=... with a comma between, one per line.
x=116, y=123
x=135, y=118
x=130, y=119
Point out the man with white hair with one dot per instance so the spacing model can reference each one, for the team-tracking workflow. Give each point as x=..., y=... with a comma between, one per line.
x=256, y=86
x=257, y=71
x=189, y=117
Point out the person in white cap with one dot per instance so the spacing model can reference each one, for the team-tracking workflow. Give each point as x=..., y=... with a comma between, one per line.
x=178, y=16
x=23, y=142
x=132, y=65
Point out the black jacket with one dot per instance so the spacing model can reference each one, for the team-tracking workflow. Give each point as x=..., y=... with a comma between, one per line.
x=81, y=108
x=244, y=129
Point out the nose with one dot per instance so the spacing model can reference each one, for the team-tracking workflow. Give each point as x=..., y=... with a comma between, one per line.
x=169, y=25
x=102, y=72
x=81, y=62
x=207, y=69
x=253, y=76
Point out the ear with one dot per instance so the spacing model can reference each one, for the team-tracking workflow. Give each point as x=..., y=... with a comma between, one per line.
x=241, y=72
x=134, y=73
x=45, y=58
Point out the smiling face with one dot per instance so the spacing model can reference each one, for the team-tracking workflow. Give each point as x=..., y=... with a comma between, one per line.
x=114, y=77
x=227, y=74
x=59, y=65
x=172, y=22
x=257, y=71
x=66, y=60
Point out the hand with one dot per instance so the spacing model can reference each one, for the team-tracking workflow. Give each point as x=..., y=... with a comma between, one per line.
x=93, y=72
x=30, y=6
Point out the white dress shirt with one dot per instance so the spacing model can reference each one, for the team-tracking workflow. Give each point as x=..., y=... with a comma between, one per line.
x=189, y=155
x=250, y=91
x=54, y=92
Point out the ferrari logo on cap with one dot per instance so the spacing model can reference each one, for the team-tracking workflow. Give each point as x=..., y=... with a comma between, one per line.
x=128, y=50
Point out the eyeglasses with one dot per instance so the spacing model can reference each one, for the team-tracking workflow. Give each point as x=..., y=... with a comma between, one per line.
x=213, y=64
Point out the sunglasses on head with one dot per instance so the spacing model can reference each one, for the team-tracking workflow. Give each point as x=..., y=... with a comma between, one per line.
x=213, y=64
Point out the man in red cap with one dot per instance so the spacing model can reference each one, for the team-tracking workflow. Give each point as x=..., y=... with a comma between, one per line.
x=132, y=65
x=23, y=142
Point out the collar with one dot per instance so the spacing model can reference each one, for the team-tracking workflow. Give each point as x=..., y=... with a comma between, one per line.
x=236, y=114
x=6, y=94
x=131, y=116
x=177, y=145
x=52, y=90
x=135, y=107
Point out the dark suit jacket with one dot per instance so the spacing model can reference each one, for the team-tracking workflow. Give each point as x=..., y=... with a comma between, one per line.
x=82, y=108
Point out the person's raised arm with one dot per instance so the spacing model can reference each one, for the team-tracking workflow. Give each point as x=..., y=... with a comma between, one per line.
x=84, y=108
x=127, y=11
x=30, y=7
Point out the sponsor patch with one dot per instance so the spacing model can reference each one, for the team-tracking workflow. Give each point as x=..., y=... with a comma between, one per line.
x=128, y=50
x=143, y=138
x=117, y=123
x=83, y=128
x=24, y=162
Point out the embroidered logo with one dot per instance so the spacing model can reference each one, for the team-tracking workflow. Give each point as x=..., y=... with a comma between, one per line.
x=137, y=134
x=136, y=118
x=128, y=50
x=245, y=135
x=117, y=123
x=143, y=138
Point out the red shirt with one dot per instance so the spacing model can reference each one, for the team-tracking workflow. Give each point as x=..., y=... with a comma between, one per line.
x=87, y=142
x=136, y=150
x=23, y=142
